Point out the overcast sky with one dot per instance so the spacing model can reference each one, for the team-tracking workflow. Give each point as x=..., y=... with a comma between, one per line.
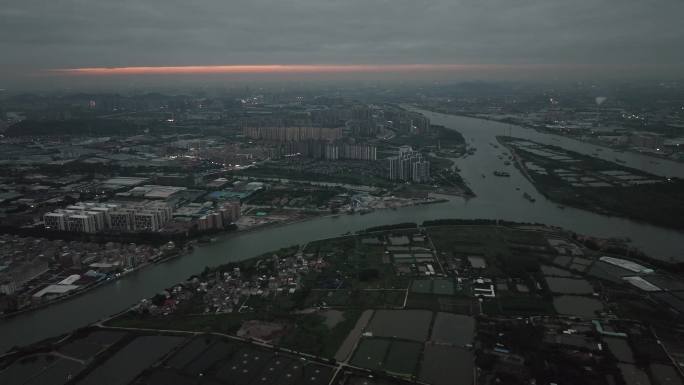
x=642, y=35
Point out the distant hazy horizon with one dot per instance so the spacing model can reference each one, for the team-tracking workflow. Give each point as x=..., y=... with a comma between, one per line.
x=450, y=39
x=53, y=81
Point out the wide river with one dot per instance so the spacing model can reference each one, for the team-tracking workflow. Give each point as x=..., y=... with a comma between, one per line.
x=496, y=198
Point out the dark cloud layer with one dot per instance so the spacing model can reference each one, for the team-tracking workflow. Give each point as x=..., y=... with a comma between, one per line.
x=40, y=34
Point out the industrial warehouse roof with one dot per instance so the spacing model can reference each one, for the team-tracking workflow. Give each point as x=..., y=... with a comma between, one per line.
x=70, y=279
x=120, y=182
x=152, y=191
x=55, y=289
x=626, y=264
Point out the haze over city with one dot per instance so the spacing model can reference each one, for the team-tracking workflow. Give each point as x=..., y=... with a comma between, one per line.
x=456, y=40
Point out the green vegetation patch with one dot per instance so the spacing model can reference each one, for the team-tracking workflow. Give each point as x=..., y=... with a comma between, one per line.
x=570, y=183
x=351, y=172
x=467, y=240
x=356, y=299
x=219, y=323
x=295, y=197
x=311, y=335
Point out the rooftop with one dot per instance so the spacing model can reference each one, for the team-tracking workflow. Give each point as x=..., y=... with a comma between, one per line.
x=152, y=191
x=55, y=289
x=125, y=181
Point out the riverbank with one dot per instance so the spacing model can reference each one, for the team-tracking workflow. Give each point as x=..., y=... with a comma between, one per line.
x=594, y=184
x=303, y=216
x=662, y=166
x=502, y=197
x=94, y=285
x=538, y=240
x=336, y=215
x=602, y=144
x=531, y=263
x=542, y=130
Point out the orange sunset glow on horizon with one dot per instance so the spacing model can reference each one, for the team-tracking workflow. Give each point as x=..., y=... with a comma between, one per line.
x=285, y=69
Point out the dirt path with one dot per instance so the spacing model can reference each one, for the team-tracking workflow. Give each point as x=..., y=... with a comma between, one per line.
x=347, y=348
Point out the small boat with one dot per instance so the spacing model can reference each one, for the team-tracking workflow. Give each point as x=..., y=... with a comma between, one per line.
x=501, y=173
x=529, y=197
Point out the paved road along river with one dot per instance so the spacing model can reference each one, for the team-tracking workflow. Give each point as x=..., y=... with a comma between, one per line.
x=496, y=198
